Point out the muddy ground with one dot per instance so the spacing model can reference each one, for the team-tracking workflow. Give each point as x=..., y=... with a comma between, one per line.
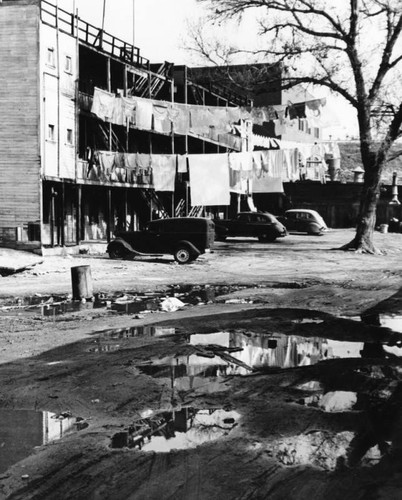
x=279, y=378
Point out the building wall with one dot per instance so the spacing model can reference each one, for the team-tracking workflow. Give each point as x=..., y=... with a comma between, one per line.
x=19, y=125
x=58, y=125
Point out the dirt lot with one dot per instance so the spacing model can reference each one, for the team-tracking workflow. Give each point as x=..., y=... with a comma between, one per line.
x=266, y=384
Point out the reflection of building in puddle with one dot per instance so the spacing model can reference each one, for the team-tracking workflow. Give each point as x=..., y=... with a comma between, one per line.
x=230, y=353
x=108, y=340
x=284, y=351
x=178, y=430
x=192, y=372
x=22, y=430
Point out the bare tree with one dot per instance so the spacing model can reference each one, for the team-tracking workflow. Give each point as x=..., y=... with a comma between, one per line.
x=353, y=48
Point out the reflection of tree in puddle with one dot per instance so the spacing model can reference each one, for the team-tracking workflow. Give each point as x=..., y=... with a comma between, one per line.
x=182, y=429
x=320, y=449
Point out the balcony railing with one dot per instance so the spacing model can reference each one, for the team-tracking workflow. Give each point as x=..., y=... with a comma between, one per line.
x=91, y=35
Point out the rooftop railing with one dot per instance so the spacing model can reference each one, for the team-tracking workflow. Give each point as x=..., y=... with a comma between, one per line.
x=69, y=23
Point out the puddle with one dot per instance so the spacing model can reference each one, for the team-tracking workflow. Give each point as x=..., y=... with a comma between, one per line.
x=318, y=448
x=177, y=430
x=128, y=303
x=332, y=402
x=22, y=430
x=111, y=340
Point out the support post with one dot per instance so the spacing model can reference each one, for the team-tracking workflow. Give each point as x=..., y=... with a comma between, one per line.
x=109, y=214
x=78, y=215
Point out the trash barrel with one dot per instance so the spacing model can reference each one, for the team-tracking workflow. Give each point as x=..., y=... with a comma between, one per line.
x=81, y=280
x=383, y=228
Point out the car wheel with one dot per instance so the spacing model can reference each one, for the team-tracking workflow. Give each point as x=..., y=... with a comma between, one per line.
x=182, y=255
x=266, y=238
x=117, y=252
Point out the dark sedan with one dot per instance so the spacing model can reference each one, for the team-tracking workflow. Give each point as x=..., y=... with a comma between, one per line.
x=261, y=225
x=298, y=220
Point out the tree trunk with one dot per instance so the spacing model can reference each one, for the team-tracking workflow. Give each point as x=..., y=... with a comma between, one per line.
x=363, y=240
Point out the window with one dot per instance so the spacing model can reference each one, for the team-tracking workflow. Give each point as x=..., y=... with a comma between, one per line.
x=50, y=132
x=50, y=60
x=69, y=136
x=68, y=64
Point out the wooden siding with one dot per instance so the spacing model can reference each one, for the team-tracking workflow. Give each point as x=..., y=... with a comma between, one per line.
x=20, y=192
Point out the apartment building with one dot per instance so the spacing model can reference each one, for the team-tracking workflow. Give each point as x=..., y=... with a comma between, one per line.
x=55, y=188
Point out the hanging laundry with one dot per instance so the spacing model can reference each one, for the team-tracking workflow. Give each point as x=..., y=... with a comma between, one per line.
x=267, y=184
x=131, y=167
x=143, y=160
x=181, y=120
x=297, y=110
x=313, y=111
x=120, y=172
x=106, y=161
x=143, y=113
x=245, y=113
x=182, y=164
x=209, y=179
x=200, y=120
x=237, y=183
x=266, y=162
x=162, y=122
x=278, y=162
x=258, y=116
x=117, y=115
x=103, y=104
x=128, y=107
x=280, y=110
x=257, y=160
x=164, y=172
x=233, y=115
x=234, y=160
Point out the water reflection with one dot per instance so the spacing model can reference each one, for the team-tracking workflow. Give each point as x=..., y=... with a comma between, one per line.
x=110, y=340
x=177, y=430
x=22, y=430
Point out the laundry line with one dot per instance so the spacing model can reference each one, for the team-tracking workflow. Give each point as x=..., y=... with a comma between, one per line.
x=167, y=117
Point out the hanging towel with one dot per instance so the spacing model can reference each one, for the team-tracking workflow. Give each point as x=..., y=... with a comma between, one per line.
x=209, y=179
x=181, y=118
x=143, y=114
x=162, y=122
x=107, y=163
x=103, y=104
x=267, y=184
x=182, y=164
x=164, y=172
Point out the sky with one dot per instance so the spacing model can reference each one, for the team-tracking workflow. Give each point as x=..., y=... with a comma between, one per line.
x=159, y=27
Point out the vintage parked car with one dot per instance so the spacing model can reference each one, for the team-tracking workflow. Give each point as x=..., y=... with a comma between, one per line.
x=184, y=237
x=298, y=220
x=261, y=225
